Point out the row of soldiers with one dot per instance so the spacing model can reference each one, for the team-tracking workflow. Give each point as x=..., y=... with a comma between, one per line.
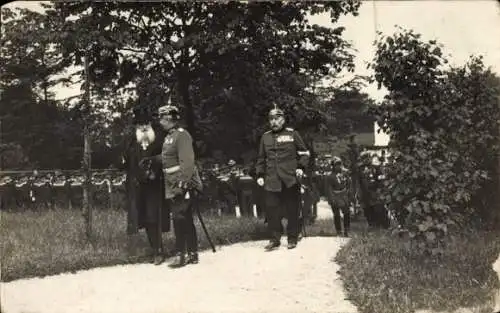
x=35, y=191
x=229, y=190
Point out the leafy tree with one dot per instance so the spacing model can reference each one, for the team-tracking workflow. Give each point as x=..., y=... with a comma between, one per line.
x=224, y=62
x=442, y=123
x=32, y=122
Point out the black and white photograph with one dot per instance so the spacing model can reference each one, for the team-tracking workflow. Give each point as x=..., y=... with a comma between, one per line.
x=334, y=156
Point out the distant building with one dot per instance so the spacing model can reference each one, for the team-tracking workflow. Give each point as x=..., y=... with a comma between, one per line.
x=372, y=140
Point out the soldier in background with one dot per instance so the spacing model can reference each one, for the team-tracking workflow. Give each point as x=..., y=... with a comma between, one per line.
x=338, y=194
x=227, y=189
x=145, y=203
x=353, y=152
x=371, y=184
x=245, y=187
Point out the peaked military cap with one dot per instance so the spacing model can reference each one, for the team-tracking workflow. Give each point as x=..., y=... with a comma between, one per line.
x=336, y=160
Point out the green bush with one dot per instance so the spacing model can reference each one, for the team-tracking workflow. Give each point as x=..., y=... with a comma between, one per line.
x=443, y=124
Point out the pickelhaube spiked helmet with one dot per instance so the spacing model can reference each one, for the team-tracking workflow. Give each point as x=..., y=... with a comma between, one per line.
x=168, y=109
x=276, y=111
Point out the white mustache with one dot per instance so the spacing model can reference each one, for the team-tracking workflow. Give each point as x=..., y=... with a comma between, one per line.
x=145, y=135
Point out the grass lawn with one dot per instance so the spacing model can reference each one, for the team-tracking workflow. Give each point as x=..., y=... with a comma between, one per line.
x=52, y=242
x=381, y=275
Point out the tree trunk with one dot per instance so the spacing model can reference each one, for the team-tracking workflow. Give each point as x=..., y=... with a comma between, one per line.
x=184, y=82
x=497, y=172
x=45, y=82
x=87, y=207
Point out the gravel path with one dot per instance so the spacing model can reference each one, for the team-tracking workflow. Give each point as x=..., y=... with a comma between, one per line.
x=237, y=278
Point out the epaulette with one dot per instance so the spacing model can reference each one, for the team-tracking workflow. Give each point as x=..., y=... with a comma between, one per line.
x=289, y=129
x=180, y=129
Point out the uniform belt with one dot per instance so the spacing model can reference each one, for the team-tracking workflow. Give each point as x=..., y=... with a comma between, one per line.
x=173, y=169
x=339, y=190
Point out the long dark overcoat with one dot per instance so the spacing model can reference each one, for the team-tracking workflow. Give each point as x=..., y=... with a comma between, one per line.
x=145, y=195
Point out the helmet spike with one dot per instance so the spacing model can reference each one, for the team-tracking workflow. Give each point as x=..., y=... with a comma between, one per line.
x=276, y=111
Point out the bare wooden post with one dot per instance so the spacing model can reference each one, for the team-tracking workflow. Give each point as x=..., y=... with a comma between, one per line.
x=87, y=206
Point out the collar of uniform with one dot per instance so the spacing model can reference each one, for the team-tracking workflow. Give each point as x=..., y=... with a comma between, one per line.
x=171, y=130
x=278, y=131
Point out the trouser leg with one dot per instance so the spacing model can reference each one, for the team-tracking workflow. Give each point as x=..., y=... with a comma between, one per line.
x=273, y=215
x=291, y=200
x=336, y=216
x=153, y=236
x=347, y=218
x=184, y=228
x=191, y=236
x=246, y=205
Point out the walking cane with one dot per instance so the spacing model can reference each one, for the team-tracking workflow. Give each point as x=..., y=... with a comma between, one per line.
x=301, y=208
x=198, y=213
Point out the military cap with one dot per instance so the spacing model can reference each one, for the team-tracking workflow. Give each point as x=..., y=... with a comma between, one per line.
x=336, y=160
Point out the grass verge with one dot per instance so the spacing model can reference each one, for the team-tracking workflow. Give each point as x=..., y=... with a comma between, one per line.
x=35, y=244
x=381, y=274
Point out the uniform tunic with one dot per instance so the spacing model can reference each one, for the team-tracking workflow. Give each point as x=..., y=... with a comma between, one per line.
x=280, y=154
x=178, y=163
x=337, y=188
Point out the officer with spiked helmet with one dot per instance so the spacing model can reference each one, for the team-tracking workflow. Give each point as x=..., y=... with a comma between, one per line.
x=282, y=158
x=181, y=179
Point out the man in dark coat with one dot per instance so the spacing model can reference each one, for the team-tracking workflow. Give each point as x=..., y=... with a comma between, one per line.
x=146, y=206
x=283, y=157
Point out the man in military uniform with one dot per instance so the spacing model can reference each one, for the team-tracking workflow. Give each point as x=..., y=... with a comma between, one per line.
x=146, y=207
x=282, y=158
x=182, y=181
x=353, y=153
x=371, y=184
x=338, y=194
x=245, y=186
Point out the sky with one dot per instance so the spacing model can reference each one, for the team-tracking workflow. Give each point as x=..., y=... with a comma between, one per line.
x=464, y=27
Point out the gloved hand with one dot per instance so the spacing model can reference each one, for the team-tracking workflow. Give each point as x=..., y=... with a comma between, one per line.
x=260, y=181
x=182, y=185
x=299, y=172
x=144, y=161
